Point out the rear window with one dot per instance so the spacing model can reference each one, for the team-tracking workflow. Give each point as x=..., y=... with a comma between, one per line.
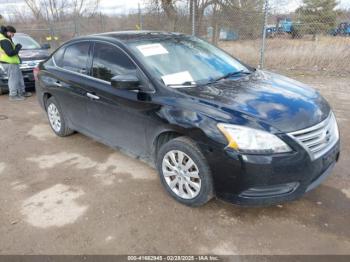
x=75, y=57
x=58, y=56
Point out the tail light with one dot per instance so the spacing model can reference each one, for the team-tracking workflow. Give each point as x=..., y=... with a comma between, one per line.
x=36, y=71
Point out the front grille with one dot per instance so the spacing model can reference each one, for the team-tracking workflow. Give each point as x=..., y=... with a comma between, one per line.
x=318, y=139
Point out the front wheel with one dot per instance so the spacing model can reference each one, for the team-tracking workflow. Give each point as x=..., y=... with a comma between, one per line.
x=56, y=118
x=184, y=172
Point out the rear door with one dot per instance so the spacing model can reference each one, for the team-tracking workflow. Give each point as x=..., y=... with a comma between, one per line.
x=71, y=82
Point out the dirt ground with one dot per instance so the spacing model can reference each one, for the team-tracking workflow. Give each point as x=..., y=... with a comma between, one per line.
x=76, y=196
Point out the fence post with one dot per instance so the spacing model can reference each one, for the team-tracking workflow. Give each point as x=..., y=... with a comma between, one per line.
x=76, y=25
x=193, y=17
x=140, y=16
x=263, y=42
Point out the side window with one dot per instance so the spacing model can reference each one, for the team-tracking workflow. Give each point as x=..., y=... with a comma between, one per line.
x=49, y=62
x=109, y=61
x=76, y=57
x=58, y=56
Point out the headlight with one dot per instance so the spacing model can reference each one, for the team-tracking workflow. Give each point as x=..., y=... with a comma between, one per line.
x=252, y=141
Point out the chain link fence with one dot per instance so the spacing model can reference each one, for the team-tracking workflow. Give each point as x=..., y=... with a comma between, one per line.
x=295, y=35
x=308, y=35
x=314, y=37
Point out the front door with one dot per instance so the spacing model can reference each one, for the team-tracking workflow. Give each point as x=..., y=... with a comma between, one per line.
x=117, y=117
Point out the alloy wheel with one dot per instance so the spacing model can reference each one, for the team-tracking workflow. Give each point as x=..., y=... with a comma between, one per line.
x=54, y=117
x=181, y=174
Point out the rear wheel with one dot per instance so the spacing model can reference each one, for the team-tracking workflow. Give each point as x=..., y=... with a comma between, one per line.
x=56, y=118
x=184, y=172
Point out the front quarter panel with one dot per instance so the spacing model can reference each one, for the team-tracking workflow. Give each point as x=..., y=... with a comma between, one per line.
x=190, y=113
x=185, y=116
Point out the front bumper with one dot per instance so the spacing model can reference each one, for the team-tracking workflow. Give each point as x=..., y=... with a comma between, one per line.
x=258, y=180
x=28, y=78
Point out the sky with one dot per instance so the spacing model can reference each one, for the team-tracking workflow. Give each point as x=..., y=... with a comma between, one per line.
x=120, y=6
x=106, y=6
x=111, y=7
x=290, y=5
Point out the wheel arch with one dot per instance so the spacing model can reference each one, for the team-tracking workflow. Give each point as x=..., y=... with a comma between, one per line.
x=168, y=133
x=46, y=96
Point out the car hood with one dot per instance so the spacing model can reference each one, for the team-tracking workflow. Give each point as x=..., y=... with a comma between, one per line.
x=34, y=54
x=282, y=103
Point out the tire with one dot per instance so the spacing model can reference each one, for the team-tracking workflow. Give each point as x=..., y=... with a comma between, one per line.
x=56, y=118
x=197, y=176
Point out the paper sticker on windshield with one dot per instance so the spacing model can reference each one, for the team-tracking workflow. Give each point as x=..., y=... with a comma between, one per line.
x=152, y=49
x=177, y=78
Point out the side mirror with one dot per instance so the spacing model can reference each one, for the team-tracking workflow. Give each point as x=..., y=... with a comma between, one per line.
x=127, y=82
x=46, y=46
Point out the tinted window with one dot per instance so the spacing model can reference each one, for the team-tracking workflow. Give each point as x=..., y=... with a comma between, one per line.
x=58, y=56
x=109, y=61
x=76, y=57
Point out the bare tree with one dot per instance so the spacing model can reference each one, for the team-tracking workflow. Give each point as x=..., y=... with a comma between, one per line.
x=84, y=7
x=1, y=20
x=173, y=9
x=34, y=8
x=169, y=7
x=56, y=10
x=200, y=8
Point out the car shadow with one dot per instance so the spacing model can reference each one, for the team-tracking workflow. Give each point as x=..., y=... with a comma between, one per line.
x=326, y=209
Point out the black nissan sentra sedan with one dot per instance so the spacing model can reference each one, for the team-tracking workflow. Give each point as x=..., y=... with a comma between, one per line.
x=212, y=125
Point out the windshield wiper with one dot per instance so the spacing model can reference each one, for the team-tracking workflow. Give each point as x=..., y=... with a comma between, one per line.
x=240, y=72
x=192, y=84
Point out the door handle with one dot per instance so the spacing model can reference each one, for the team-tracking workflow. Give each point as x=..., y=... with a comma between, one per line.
x=92, y=96
x=58, y=84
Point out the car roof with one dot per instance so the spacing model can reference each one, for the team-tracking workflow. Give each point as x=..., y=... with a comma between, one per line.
x=128, y=36
x=138, y=35
x=21, y=34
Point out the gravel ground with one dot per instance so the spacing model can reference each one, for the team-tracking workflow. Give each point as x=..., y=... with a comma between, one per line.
x=75, y=196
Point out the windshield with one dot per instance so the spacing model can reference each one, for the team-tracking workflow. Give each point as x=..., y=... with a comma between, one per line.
x=26, y=41
x=185, y=60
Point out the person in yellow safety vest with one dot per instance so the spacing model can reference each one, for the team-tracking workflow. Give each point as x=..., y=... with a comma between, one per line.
x=10, y=61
